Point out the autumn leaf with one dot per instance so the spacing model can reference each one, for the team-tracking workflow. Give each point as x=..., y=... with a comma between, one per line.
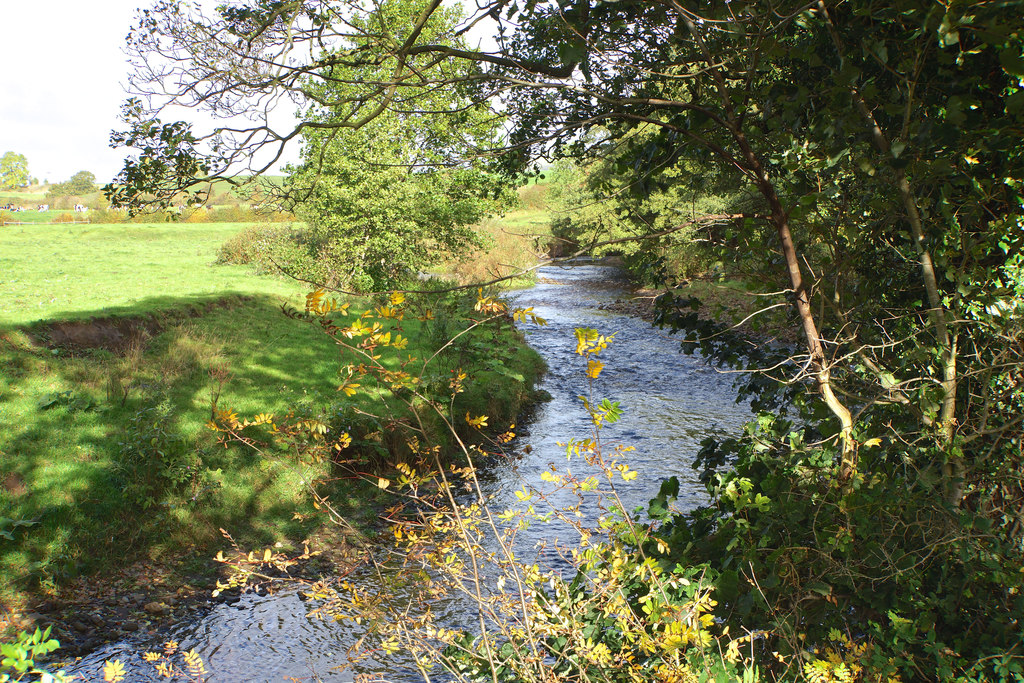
x=314, y=300
x=477, y=422
x=113, y=671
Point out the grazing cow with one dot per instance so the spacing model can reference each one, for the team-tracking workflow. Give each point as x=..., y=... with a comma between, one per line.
x=44, y=207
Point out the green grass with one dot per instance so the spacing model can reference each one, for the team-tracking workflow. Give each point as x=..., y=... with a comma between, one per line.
x=22, y=198
x=68, y=457
x=80, y=429
x=80, y=271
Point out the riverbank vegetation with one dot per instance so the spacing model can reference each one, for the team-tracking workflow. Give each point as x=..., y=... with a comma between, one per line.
x=857, y=161
x=113, y=375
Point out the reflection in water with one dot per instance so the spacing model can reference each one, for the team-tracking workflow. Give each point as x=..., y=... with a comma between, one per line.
x=671, y=403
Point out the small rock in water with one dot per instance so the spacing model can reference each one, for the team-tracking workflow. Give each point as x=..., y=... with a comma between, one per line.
x=130, y=626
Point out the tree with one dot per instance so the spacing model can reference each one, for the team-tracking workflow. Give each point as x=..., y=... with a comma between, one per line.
x=13, y=171
x=79, y=184
x=398, y=194
x=876, y=149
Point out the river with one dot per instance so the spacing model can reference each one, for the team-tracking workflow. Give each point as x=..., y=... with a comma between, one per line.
x=670, y=402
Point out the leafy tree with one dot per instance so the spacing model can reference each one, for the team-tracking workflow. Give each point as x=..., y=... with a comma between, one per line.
x=79, y=184
x=877, y=147
x=13, y=171
x=398, y=193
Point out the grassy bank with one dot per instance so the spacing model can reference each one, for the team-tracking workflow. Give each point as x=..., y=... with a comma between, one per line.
x=105, y=455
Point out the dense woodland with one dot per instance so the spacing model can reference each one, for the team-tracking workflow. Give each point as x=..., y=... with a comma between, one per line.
x=855, y=167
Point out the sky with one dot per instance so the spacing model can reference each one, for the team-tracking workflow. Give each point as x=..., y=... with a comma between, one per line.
x=62, y=84
x=61, y=90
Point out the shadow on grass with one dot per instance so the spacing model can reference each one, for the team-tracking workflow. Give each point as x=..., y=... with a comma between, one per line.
x=106, y=448
x=162, y=310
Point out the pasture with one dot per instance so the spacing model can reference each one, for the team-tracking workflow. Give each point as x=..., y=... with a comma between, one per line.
x=105, y=455
x=79, y=271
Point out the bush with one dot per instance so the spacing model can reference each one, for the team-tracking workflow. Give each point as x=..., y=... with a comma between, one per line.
x=155, y=461
x=916, y=590
x=234, y=213
x=266, y=246
x=200, y=215
x=106, y=215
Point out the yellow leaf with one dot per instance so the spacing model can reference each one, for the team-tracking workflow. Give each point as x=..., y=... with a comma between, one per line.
x=314, y=300
x=594, y=368
x=267, y=555
x=113, y=671
x=383, y=483
x=872, y=442
x=477, y=422
x=397, y=298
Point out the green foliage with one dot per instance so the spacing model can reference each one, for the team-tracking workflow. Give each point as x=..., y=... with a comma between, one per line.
x=154, y=462
x=81, y=183
x=13, y=171
x=270, y=249
x=648, y=219
x=8, y=527
x=20, y=655
x=393, y=196
x=922, y=588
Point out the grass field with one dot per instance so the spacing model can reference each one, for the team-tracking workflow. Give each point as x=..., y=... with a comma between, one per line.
x=77, y=271
x=104, y=452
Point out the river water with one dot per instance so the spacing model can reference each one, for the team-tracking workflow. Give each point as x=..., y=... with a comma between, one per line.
x=670, y=402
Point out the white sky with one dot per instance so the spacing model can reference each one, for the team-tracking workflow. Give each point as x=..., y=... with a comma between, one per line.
x=61, y=89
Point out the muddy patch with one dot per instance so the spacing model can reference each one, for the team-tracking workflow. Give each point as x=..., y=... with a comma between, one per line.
x=113, y=334
x=117, y=334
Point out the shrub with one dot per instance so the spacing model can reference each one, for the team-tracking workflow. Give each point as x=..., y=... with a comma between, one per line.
x=200, y=215
x=263, y=245
x=106, y=215
x=234, y=213
x=155, y=461
x=918, y=589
